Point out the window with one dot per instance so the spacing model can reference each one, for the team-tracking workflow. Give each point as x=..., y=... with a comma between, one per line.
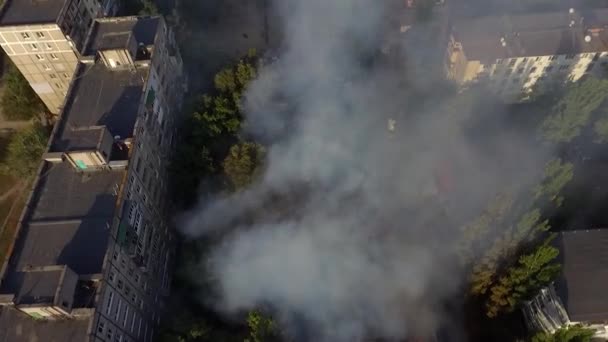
x=134, y=297
x=552, y=58
x=110, y=300
x=512, y=62
x=66, y=75
x=520, y=71
x=40, y=34
x=548, y=69
x=34, y=46
x=139, y=329
x=133, y=323
x=49, y=46
x=126, y=318
x=59, y=85
x=127, y=290
x=524, y=60
x=25, y=35
x=112, y=275
x=533, y=69
x=596, y=57
x=537, y=59
x=499, y=61
x=118, y=338
x=100, y=327
x=564, y=67
x=122, y=262
x=39, y=57
x=117, y=313
x=110, y=333
x=52, y=76
x=46, y=66
x=590, y=67
x=570, y=56
x=119, y=285
x=137, y=278
x=54, y=57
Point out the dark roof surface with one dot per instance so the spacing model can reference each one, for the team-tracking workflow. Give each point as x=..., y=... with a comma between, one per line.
x=21, y=12
x=38, y=286
x=543, y=34
x=114, y=33
x=99, y=97
x=69, y=222
x=582, y=286
x=19, y=327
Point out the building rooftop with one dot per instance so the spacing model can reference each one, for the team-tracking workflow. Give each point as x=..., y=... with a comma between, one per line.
x=69, y=222
x=115, y=33
x=99, y=97
x=543, y=34
x=22, y=12
x=584, y=256
x=19, y=327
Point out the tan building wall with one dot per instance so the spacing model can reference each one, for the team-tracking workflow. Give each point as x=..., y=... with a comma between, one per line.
x=45, y=57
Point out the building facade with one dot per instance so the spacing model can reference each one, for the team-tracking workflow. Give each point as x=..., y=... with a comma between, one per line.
x=93, y=256
x=519, y=55
x=44, y=39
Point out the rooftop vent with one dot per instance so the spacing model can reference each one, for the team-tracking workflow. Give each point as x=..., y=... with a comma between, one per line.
x=588, y=39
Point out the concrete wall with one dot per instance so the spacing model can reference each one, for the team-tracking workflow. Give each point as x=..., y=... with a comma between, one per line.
x=45, y=58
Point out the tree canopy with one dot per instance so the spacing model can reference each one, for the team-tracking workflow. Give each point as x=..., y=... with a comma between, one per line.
x=25, y=150
x=573, y=333
x=19, y=101
x=574, y=110
x=243, y=164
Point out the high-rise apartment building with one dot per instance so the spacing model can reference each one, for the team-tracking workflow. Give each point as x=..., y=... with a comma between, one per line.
x=92, y=257
x=517, y=54
x=44, y=39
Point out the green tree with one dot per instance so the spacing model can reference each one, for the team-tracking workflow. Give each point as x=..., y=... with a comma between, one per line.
x=522, y=281
x=573, y=333
x=25, y=150
x=261, y=328
x=601, y=130
x=148, y=8
x=574, y=110
x=557, y=175
x=243, y=164
x=19, y=101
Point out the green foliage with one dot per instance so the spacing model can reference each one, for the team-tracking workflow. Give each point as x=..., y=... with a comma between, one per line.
x=573, y=333
x=601, y=130
x=19, y=101
x=243, y=164
x=574, y=110
x=148, y=8
x=523, y=280
x=261, y=328
x=211, y=129
x=25, y=151
x=557, y=175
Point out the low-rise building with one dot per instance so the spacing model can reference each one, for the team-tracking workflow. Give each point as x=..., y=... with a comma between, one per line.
x=517, y=54
x=93, y=255
x=43, y=38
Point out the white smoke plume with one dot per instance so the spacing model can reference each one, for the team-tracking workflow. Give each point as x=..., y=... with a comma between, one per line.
x=357, y=224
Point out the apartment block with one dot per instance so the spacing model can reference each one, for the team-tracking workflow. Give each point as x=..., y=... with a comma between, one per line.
x=44, y=38
x=520, y=54
x=93, y=256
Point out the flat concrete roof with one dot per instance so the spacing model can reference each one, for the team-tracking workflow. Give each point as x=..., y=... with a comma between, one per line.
x=19, y=327
x=23, y=12
x=38, y=287
x=99, y=97
x=114, y=33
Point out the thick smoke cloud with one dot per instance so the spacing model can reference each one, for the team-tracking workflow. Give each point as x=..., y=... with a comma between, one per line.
x=354, y=226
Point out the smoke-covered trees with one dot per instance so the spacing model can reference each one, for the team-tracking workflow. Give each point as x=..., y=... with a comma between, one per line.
x=243, y=164
x=261, y=328
x=19, y=101
x=573, y=333
x=515, y=266
x=211, y=130
x=574, y=110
